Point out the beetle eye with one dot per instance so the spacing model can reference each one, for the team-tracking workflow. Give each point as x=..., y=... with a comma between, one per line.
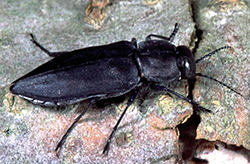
x=184, y=66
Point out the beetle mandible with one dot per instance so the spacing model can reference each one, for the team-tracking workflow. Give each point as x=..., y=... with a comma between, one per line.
x=108, y=71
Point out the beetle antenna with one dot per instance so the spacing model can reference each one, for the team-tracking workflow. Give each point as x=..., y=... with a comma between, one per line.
x=208, y=77
x=211, y=53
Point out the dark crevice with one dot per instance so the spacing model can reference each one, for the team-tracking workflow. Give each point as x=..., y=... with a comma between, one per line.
x=187, y=141
x=198, y=32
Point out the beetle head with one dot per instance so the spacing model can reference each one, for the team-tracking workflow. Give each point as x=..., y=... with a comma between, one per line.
x=185, y=62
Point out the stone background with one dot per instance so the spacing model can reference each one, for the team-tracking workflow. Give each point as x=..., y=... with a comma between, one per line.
x=29, y=133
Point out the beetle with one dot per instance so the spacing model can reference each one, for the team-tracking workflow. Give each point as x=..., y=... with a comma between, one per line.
x=108, y=71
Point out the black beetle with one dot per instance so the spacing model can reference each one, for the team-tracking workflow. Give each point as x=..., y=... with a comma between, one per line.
x=108, y=71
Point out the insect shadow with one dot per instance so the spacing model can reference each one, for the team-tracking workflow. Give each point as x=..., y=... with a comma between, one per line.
x=108, y=71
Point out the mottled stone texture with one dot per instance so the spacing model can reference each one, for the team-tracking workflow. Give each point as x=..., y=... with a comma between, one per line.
x=147, y=134
x=225, y=23
x=29, y=134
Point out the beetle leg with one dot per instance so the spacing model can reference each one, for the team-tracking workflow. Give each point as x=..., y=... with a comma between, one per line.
x=170, y=38
x=72, y=126
x=130, y=101
x=52, y=54
x=162, y=88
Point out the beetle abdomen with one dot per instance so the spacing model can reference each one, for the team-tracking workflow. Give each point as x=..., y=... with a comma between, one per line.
x=107, y=78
